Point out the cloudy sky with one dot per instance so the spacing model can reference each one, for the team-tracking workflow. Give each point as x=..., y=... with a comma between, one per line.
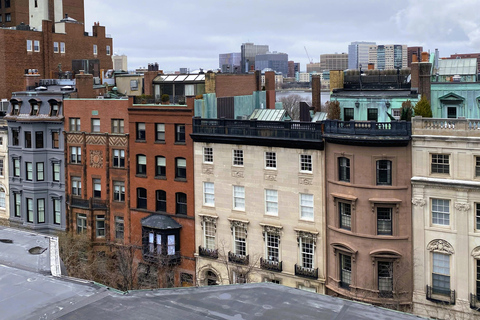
x=191, y=33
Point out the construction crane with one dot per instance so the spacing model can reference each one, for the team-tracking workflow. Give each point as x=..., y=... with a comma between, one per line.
x=309, y=60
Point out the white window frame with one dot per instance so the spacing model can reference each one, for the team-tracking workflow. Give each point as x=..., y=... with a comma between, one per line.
x=270, y=160
x=56, y=48
x=100, y=226
x=95, y=50
x=438, y=215
x=76, y=155
x=209, y=234
x=304, y=242
x=29, y=45
x=307, y=206
x=239, y=198
x=208, y=194
x=271, y=202
x=239, y=241
x=237, y=157
x=77, y=184
x=36, y=46
x=271, y=244
x=62, y=47
x=305, y=163
x=208, y=155
x=440, y=270
x=108, y=50
x=2, y=198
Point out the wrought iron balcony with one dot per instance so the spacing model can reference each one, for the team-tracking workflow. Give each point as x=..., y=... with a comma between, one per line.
x=474, y=302
x=271, y=265
x=311, y=273
x=162, y=259
x=441, y=295
x=208, y=253
x=238, y=258
x=91, y=203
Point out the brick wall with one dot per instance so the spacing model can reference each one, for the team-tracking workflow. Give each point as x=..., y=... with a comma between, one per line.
x=230, y=85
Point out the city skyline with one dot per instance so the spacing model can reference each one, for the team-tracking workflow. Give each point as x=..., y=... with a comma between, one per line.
x=185, y=34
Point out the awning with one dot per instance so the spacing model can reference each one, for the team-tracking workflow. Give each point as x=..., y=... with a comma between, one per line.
x=161, y=222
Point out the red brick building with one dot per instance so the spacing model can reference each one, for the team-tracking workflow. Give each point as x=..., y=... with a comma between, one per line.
x=60, y=45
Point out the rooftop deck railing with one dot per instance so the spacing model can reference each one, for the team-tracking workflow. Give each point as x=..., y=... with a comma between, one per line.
x=446, y=127
x=368, y=128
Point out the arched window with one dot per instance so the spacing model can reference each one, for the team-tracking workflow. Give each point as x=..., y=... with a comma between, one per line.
x=211, y=278
x=180, y=168
x=2, y=198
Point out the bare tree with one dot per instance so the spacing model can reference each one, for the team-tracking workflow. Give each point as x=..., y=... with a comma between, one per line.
x=291, y=104
x=333, y=110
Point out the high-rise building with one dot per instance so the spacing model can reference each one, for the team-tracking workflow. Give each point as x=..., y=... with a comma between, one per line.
x=414, y=51
x=120, y=62
x=273, y=60
x=293, y=67
x=334, y=61
x=229, y=62
x=248, y=53
x=388, y=57
x=358, y=54
x=314, y=67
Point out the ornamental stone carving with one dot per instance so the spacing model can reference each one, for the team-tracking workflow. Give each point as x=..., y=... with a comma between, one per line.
x=439, y=245
x=210, y=219
x=96, y=139
x=305, y=181
x=461, y=206
x=240, y=224
x=237, y=174
x=116, y=141
x=418, y=202
x=271, y=177
x=476, y=253
x=75, y=138
x=306, y=235
x=96, y=159
x=207, y=170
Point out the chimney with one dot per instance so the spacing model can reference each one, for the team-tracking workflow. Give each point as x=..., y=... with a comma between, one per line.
x=316, y=93
x=425, y=56
x=414, y=57
x=336, y=79
x=270, y=88
x=84, y=85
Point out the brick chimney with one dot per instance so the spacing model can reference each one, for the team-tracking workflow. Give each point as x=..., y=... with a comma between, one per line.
x=270, y=88
x=84, y=85
x=31, y=80
x=148, y=82
x=420, y=75
x=316, y=93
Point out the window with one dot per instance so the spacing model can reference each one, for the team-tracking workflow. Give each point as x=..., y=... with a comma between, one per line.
x=36, y=4
x=41, y=210
x=75, y=124
x=8, y=18
x=28, y=139
x=55, y=47
x=29, y=210
x=385, y=279
x=76, y=186
x=40, y=171
x=16, y=167
x=2, y=198
x=477, y=166
x=29, y=44
x=238, y=157
x=372, y=114
x=1, y=19
x=181, y=168
x=305, y=163
x=209, y=234
x=133, y=85
x=141, y=164
x=39, y=139
x=159, y=132
x=270, y=160
x=271, y=202
x=208, y=155
x=180, y=133
x=140, y=131
x=29, y=171
x=35, y=109
x=118, y=126
x=306, y=206
x=15, y=109
x=15, y=137
x=54, y=108
x=307, y=252
x=108, y=50
x=57, y=211
x=95, y=125
x=477, y=217
x=55, y=140
x=100, y=226
x=208, y=194
x=62, y=47
x=440, y=163
x=160, y=167
x=345, y=213
x=18, y=204
x=81, y=222
x=119, y=158
x=119, y=228
x=7, y=3
x=441, y=212
x=181, y=203
x=345, y=271
x=396, y=113
x=451, y=112
x=239, y=198
x=36, y=46
x=272, y=242
x=75, y=154
x=240, y=240
x=161, y=203
x=384, y=172
x=119, y=191
x=95, y=49
x=344, y=169
x=141, y=198
x=384, y=221
x=56, y=171
x=1, y=167
x=348, y=114
x=441, y=274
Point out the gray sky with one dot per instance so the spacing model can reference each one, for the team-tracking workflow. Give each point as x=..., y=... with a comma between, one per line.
x=192, y=33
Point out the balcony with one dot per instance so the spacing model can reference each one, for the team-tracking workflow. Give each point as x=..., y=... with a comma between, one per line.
x=271, y=265
x=162, y=259
x=474, y=302
x=238, y=258
x=311, y=273
x=460, y=127
x=208, y=253
x=440, y=295
x=271, y=133
x=91, y=204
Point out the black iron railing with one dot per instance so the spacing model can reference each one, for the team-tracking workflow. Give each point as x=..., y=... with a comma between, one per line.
x=441, y=295
x=238, y=258
x=90, y=203
x=209, y=253
x=369, y=128
x=474, y=301
x=271, y=265
x=162, y=259
x=306, y=272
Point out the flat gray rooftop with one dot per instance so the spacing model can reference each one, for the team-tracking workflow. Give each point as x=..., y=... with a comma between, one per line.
x=29, y=291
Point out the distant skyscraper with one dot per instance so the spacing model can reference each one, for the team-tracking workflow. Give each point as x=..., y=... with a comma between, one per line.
x=229, y=62
x=358, y=54
x=275, y=61
x=248, y=53
x=334, y=61
x=388, y=57
x=314, y=67
x=293, y=67
x=120, y=62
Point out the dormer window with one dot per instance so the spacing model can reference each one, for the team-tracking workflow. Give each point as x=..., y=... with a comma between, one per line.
x=35, y=109
x=54, y=107
x=15, y=106
x=35, y=106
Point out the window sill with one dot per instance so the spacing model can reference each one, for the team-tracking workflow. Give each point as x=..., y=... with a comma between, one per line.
x=122, y=168
x=181, y=179
x=161, y=177
x=141, y=141
x=181, y=143
x=141, y=175
x=306, y=220
x=160, y=141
